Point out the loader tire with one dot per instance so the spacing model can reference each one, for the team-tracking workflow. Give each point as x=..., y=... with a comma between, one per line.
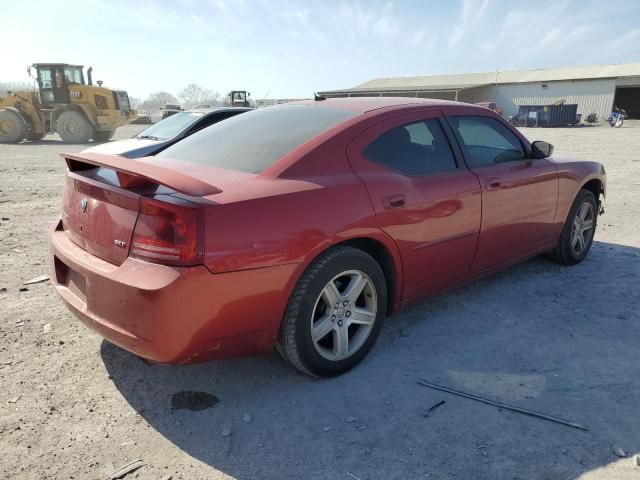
x=103, y=136
x=73, y=127
x=12, y=129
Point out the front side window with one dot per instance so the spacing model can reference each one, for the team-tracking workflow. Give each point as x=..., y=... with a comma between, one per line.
x=415, y=149
x=486, y=141
x=44, y=77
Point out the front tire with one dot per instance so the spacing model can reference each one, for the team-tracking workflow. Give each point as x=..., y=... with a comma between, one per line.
x=578, y=231
x=335, y=313
x=73, y=127
x=12, y=129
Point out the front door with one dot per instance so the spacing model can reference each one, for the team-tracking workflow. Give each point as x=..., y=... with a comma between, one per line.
x=519, y=195
x=53, y=86
x=424, y=199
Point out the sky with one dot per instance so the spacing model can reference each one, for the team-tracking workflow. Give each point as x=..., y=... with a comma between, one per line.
x=289, y=49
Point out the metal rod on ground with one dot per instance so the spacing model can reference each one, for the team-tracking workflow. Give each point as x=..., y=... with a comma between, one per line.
x=502, y=405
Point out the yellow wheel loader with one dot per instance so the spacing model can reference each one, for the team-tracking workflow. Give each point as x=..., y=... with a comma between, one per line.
x=65, y=104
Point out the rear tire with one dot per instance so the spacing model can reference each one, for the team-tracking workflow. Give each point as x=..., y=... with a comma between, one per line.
x=73, y=127
x=335, y=313
x=103, y=136
x=12, y=129
x=578, y=231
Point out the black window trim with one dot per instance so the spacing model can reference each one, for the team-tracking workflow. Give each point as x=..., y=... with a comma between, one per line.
x=453, y=146
x=460, y=143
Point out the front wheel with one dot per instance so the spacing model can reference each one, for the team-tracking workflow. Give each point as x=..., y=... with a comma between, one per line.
x=335, y=313
x=12, y=129
x=619, y=122
x=577, y=235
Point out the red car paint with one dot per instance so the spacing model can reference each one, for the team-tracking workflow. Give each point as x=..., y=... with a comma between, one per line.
x=261, y=231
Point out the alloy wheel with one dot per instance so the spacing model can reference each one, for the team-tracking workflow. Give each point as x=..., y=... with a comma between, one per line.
x=582, y=228
x=344, y=314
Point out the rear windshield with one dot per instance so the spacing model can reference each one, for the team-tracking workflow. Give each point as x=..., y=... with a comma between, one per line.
x=255, y=140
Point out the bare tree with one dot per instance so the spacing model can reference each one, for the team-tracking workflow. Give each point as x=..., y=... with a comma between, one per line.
x=213, y=99
x=134, y=102
x=193, y=94
x=157, y=100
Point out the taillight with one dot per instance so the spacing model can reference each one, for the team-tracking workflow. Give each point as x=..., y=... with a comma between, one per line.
x=168, y=232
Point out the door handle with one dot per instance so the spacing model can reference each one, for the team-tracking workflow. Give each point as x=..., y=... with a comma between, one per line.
x=393, y=201
x=493, y=184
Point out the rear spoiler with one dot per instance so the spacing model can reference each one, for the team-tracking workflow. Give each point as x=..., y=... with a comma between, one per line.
x=133, y=173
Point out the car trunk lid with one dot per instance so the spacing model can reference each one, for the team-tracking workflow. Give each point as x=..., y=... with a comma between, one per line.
x=102, y=198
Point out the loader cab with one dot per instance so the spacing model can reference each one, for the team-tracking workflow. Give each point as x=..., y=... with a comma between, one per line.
x=54, y=80
x=238, y=98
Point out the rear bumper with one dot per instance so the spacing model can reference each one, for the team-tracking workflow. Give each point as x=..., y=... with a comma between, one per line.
x=169, y=314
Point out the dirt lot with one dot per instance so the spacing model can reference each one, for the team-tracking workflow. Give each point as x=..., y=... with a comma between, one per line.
x=564, y=341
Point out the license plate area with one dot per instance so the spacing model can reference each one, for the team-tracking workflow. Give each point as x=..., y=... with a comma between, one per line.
x=68, y=277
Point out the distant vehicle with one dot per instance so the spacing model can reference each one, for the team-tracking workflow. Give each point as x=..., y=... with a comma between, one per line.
x=166, y=132
x=306, y=224
x=200, y=107
x=143, y=117
x=170, y=109
x=616, y=119
x=63, y=103
x=491, y=106
x=238, y=98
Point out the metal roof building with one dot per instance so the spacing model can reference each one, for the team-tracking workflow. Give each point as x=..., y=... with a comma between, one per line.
x=594, y=88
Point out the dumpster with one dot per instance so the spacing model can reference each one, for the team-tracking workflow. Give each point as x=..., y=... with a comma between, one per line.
x=548, y=115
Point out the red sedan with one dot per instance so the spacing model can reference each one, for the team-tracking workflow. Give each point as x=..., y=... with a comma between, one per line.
x=304, y=225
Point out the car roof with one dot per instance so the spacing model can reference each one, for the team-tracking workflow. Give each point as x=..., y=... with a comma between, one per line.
x=367, y=104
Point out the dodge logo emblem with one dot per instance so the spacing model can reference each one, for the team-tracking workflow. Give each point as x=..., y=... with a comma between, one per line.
x=83, y=205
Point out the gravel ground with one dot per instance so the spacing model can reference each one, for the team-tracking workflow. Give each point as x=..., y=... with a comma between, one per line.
x=563, y=341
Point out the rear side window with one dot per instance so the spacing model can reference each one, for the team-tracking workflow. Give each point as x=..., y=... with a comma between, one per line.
x=415, y=149
x=255, y=140
x=486, y=141
x=210, y=120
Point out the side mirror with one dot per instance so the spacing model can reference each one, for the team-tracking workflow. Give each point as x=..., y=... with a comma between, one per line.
x=540, y=149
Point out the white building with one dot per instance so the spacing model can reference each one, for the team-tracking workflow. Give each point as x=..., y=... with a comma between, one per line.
x=596, y=88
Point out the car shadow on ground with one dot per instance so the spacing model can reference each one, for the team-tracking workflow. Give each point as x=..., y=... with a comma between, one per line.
x=559, y=340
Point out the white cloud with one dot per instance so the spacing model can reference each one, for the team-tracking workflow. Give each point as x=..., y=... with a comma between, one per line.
x=292, y=47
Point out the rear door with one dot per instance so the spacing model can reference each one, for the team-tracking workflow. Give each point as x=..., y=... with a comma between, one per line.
x=423, y=196
x=519, y=195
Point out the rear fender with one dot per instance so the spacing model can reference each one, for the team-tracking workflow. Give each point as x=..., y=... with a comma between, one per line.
x=346, y=236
